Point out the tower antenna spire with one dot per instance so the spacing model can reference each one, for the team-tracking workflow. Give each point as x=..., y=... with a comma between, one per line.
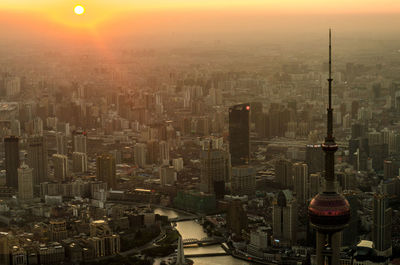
x=330, y=110
x=329, y=211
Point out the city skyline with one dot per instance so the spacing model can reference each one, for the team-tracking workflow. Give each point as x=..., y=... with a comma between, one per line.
x=171, y=132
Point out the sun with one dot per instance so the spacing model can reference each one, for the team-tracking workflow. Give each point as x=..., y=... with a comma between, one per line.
x=79, y=10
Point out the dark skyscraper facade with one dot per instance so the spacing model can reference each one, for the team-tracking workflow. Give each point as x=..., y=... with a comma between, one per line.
x=239, y=134
x=11, y=148
x=37, y=158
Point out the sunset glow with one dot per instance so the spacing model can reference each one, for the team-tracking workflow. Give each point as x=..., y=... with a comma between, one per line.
x=79, y=10
x=137, y=16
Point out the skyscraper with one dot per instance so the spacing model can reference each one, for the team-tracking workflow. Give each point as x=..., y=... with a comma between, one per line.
x=106, y=171
x=329, y=211
x=61, y=142
x=79, y=141
x=239, y=134
x=25, y=182
x=382, y=225
x=11, y=148
x=37, y=158
x=284, y=218
x=301, y=182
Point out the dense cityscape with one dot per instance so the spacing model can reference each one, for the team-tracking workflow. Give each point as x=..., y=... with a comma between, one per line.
x=209, y=153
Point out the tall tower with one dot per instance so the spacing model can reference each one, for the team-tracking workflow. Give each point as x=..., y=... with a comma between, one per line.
x=329, y=211
x=11, y=148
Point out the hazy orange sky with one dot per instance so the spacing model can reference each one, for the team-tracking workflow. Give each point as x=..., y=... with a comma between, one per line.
x=100, y=11
x=118, y=17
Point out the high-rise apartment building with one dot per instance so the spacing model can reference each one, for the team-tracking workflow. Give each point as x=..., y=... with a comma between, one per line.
x=61, y=142
x=284, y=219
x=79, y=139
x=37, y=158
x=239, y=134
x=11, y=148
x=106, y=170
x=60, y=165
x=79, y=162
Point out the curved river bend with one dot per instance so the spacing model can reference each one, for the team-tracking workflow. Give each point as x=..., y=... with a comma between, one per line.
x=191, y=229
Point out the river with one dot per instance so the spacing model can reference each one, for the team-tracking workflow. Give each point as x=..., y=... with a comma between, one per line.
x=191, y=229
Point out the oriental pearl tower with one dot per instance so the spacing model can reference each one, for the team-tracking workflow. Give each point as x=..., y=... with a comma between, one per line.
x=329, y=211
